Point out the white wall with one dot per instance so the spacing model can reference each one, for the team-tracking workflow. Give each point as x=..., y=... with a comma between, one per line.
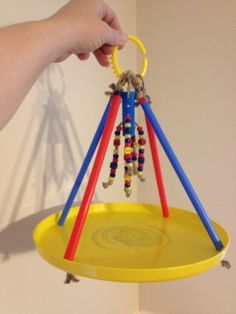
x=41, y=152
x=192, y=79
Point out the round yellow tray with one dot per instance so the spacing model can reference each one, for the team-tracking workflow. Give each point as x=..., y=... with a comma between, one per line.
x=131, y=242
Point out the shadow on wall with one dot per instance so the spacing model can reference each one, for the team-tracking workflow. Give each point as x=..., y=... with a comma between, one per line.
x=18, y=236
x=56, y=136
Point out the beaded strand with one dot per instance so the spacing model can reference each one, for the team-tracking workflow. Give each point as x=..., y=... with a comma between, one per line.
x=141, y=159
x=134, y=146
x=114, y=163
x=133, y=155
x=128, y=156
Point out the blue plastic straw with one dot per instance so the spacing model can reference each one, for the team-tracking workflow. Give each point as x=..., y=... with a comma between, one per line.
x=84, y=167
x=182, y=176
x=128, y=109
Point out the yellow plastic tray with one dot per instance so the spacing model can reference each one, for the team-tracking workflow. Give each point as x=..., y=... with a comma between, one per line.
x=131, y=242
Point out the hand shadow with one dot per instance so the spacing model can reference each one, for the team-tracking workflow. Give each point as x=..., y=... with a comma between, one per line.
x=56, y=129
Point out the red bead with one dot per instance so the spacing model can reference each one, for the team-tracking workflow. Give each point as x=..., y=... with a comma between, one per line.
x=115, y=160
x=116, y=142
x=119, y=128
x=142, y=141
x=142, y=100
x=141, y=155
x=139, y=128
x=129, y=156
x=113, y=171
x=140, y=165
x=128, y=117
x=127, y=181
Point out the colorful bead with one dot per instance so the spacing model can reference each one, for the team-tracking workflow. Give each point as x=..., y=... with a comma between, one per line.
x=128, y=117
x=113, y=165
x=141, y=160
x=116, y=142
x=127, y=150
x=142, y=100
x=127, y=125
x=128, y=136
x=142, y=141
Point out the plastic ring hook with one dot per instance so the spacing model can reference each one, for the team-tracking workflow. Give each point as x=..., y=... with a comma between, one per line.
x=114, y=59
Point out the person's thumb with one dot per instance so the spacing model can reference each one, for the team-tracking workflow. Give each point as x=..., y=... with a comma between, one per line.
x=115, y=37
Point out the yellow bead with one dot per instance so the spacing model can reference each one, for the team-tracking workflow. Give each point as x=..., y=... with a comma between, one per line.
x=128, y=150
x=127, y=189
x=127, y=135
x=129, y=164
x=127, y=177
x=127, y=125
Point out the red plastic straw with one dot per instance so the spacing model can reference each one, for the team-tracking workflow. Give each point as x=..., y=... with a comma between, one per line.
x=81, y=217
x=157, y=168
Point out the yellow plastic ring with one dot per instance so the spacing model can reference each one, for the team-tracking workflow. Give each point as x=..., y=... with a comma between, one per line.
x=115, y=63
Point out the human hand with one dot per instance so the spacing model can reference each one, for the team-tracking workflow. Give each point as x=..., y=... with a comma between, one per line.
x=90, y=26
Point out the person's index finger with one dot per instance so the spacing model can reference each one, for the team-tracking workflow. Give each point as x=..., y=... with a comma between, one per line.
x=107, y=49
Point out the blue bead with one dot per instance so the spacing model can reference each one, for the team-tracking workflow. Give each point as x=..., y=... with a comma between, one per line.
x=112, y=175
x=117, y=132
x=115, y=156
x=127, y=140
x=140, y=132
x=141, y=151
x=140, y=169
x=127, y=185
x=113, y=165
x=141, y=160
x=128, y=160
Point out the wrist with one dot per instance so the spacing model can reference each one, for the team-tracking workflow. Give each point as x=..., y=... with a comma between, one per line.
x=53, y=38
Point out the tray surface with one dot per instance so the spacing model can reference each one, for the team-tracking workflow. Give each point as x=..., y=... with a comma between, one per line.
x=131, y=242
